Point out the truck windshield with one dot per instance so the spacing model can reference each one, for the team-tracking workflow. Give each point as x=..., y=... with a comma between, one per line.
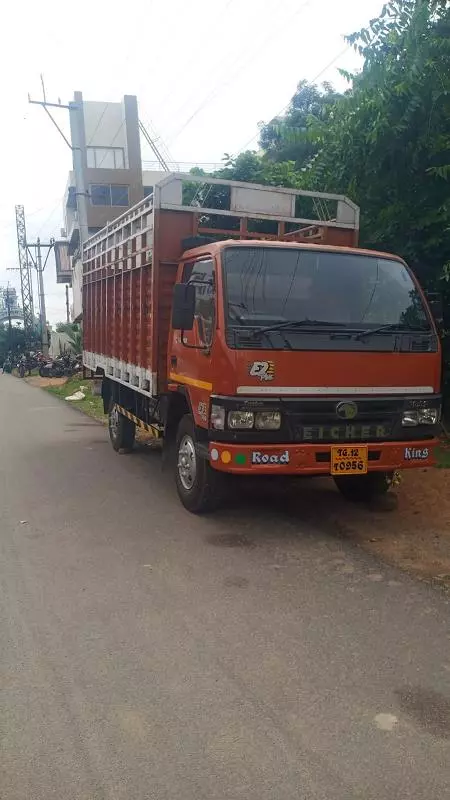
x=266, y=285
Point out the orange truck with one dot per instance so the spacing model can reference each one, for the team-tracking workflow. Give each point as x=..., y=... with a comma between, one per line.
x=243, y=326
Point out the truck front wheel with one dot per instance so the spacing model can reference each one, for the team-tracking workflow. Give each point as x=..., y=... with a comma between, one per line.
x=200, y=488
x=122, y=431
x=364, y=488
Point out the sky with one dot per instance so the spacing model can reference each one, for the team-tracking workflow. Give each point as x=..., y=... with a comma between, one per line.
x=205, y=72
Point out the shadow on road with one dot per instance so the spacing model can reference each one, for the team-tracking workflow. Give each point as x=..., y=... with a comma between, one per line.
x=414, y=537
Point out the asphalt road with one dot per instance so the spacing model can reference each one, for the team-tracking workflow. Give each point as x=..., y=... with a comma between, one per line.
x=147, y=653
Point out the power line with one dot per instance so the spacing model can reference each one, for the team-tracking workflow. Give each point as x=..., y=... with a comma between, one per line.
x=153, y=146
x=185, y=164
x=238, y=67
x=313, y=80
x=198, y=191
x=49, y=217
x=111, y=142
x=190, y=63
x=98, y=125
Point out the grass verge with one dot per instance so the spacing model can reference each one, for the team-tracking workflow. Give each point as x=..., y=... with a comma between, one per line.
x=91, y=405
x=443, y=455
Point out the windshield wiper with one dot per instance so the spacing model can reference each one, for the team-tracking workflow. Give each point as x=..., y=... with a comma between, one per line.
x=393, y=326
x=240, y=306
x=298, y=323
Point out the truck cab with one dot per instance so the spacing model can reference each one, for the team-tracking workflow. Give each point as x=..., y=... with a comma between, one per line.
x=306, y=359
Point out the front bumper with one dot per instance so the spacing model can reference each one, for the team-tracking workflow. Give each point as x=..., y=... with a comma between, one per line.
x=314, y=459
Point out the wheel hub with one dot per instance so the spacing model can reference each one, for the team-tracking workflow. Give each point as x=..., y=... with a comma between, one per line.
x=114, y=422
x=187, y=462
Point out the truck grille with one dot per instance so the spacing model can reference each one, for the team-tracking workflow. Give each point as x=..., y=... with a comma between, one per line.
x=316, y=421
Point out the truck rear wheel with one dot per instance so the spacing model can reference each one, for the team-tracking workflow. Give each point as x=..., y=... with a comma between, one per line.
x=364, y=488
x=122, y=431
x=200, y=488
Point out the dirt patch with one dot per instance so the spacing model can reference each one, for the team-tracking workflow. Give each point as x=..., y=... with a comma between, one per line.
x=44, y=383
x=417, y=536
x=414, y=537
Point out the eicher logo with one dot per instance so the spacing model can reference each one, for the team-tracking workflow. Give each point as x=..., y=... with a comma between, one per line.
x=264, y=370
x=416, y=454
x=265, y=458
x=347, y=410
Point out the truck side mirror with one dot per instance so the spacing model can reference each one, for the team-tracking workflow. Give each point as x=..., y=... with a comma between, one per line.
x=436, y=307
x=183, y=307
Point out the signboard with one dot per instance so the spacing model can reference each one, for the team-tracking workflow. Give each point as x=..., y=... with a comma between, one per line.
x=63, y=262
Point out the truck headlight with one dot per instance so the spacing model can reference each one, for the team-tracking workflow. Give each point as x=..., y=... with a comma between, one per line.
x=217, y=417
x=428, y=415
x=268, y=420
x=410, y=418
x=241, y=420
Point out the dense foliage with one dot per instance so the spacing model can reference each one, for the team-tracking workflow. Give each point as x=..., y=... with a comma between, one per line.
x=385, y=142
x=388, y=144
x=73, y=331
x=287, y=137
x=11, y=340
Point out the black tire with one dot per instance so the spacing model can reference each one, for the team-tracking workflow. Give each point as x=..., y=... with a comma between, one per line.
x=42, y=371
x=205, y=489
x=122, y=431
x=364, y=488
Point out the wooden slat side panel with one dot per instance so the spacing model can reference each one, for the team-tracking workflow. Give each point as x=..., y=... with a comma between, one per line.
x=147, y=313
x=118, y=348
x=122, y=277
x=133, y=313
x=126, y=316
x=86, y=321
x=170, y=230
x=167, y=279
x=109, y=315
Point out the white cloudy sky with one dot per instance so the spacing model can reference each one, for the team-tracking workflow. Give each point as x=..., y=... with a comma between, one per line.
x=205, y=73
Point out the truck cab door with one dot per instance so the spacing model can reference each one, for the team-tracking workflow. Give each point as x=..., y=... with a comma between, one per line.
x=190, y=356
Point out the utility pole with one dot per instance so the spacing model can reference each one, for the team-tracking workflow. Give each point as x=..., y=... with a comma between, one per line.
x=37, y=261
x=67, y=304
x=41, y=292
x=77, y=156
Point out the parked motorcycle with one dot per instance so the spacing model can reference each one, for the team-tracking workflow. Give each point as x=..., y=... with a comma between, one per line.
x=52, y=369
x=64, y=365
x=28, y=362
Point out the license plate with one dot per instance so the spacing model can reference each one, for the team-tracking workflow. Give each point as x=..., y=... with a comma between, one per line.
x=349, y=460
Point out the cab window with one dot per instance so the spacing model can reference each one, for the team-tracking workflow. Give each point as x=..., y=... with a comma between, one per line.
x=202, y=274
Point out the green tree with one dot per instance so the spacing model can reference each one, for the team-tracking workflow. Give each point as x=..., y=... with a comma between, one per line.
x=387, y=144
x=13, y=340
x=74, y=332
x=288, y=137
